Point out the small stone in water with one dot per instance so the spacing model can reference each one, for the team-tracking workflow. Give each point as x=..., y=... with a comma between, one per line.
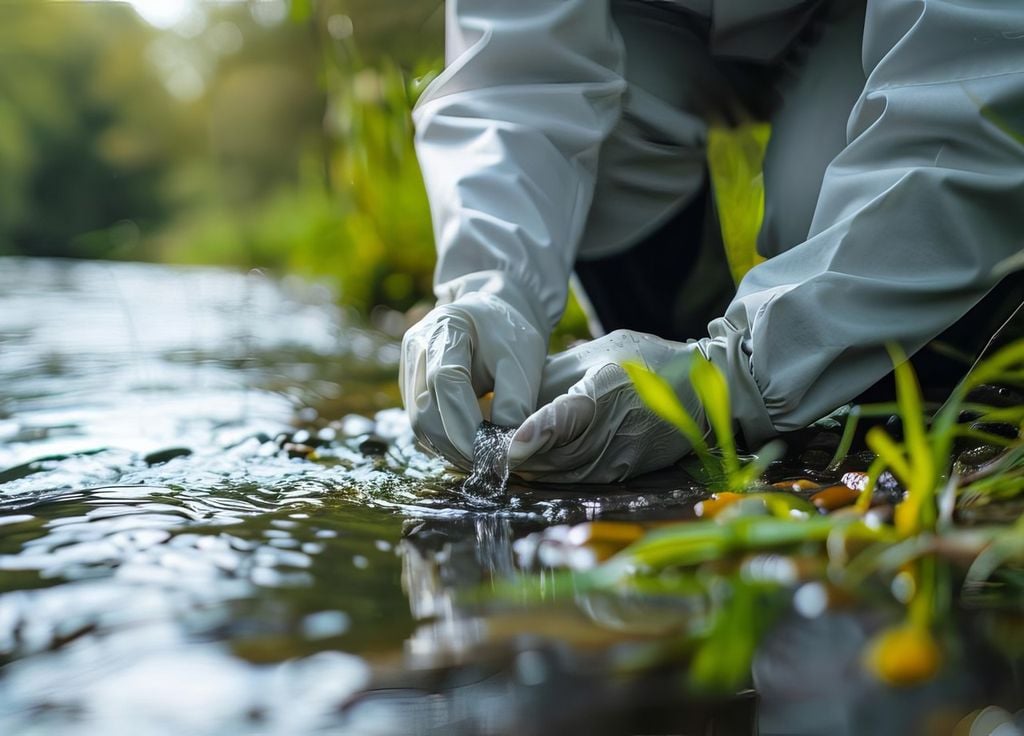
x=163, y=456
x=797, y=485
x=297, y=450
x=711, y=506
x=490, y=460
x=373, y=445
x=834, y=497
x=353, y=425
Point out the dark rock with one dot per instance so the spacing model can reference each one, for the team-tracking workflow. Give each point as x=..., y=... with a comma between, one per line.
x=373, y=445
x=163, y=456
x=894, y=426
x=296, y=450
x=1000, y=429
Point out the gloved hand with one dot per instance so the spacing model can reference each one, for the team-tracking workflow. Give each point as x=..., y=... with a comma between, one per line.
x=593, y=426
x=462, y=350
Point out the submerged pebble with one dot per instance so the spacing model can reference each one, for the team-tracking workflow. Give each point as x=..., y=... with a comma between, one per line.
x=835, y=497
x=163, y=456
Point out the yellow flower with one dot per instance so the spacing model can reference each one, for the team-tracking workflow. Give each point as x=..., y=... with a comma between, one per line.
x=903, y=655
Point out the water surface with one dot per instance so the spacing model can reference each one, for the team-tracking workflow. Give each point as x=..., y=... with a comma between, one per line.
x=213, y=520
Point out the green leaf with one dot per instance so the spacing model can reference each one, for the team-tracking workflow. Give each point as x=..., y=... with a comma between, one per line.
x=1002, y=122
x=722, y=661
x=908, y=397
x=661, y=398
x=735, y=156
x=300, y=10
x=713, y=391
x=874, y=471
x=890, y=452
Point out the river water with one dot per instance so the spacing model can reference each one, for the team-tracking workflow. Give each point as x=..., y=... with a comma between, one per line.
x=213, y=520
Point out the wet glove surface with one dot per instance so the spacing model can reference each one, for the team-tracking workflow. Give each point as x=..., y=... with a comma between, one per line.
x=463, y=350
x=592, y=426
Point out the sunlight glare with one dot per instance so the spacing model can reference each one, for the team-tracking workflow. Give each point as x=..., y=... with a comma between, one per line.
x=162, y=13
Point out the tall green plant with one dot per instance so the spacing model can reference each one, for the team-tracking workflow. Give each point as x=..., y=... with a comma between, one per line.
x=923, y=460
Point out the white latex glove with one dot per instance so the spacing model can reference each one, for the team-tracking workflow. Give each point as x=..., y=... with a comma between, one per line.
x=461, y=351
x=595, y=428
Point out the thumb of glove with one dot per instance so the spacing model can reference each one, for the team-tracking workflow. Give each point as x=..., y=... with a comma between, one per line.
x=556, y=424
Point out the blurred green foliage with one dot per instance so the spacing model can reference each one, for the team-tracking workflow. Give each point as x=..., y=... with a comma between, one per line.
x=230, y=138
x=258, y=134
x=78, y=152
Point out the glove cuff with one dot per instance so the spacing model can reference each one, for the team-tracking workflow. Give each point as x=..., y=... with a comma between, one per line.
x=500, y=285
x=748, y=407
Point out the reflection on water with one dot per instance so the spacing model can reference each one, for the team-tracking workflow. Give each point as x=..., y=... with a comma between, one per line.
x=202, y=530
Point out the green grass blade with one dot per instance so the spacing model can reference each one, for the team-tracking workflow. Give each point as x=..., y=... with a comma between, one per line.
x=846, y=441
x=661, y=398
x=713, y=391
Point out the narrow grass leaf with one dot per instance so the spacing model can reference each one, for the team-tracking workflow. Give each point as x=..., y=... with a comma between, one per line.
x=661, y=398
x=713, y=391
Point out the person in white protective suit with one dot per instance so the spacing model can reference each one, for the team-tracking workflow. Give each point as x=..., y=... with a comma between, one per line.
x=568, y=136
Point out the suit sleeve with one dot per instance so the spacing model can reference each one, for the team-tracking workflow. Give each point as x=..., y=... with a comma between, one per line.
x=507, y=138
x=912, y=218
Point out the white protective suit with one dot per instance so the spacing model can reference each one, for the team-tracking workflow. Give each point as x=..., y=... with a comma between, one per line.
x=566, y=129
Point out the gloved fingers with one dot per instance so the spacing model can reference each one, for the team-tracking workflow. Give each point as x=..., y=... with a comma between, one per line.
x=558, y=424
x=448, y=407
x=639, y=445
x=516, y=380
x=412, y=372
x=423, y=407
x=561, y=372
x=564, y=370
x=459, y=411
x=620, y=439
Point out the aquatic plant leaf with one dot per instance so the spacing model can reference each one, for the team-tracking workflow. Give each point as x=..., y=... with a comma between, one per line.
x=993, y=369
x=986, y=437
x=660, y=397
x=1009, y=545
x=1008, y=415
x=1004, y=362
x=875, y=470
x=890, y=451
x=735, y=156
x=853, y=417
x=908, y=398
x=713, y=391
x=751, y=472
x=722, y=661
x=693, y=542
x=1001, y=121
x=918, y=470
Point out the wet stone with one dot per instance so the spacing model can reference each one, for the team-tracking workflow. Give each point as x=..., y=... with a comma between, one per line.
x=296, y=450
x=999, y=429
x=490, y=460
x=976, y=460
x=373, y=446
x=834, y=497
x=163, y=456
x=887, y=488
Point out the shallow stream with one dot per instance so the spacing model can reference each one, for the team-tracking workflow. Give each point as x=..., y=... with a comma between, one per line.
x=214, y=521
